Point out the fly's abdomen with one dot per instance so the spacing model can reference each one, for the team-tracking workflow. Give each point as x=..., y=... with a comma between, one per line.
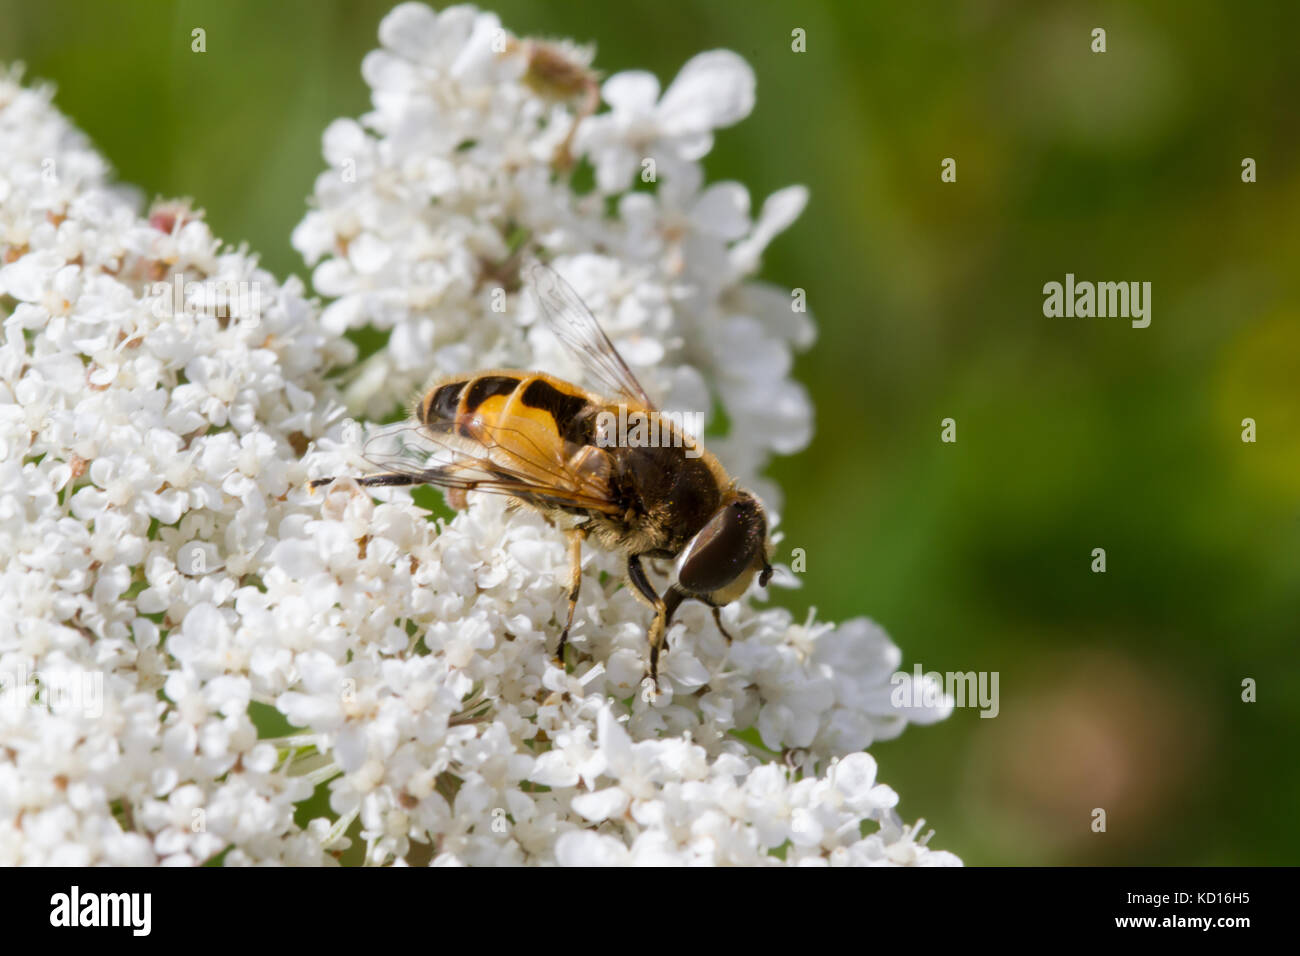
x=530, y=405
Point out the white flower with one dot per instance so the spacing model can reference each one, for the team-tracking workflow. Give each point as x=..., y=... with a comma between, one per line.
x=712, y=91
x=193, y=645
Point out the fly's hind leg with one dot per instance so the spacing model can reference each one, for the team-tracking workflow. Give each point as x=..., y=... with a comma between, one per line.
x=386, y=479
x=576, y=537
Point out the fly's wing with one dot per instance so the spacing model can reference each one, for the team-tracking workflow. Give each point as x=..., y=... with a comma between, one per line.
x=575, y=326
x=479, y=457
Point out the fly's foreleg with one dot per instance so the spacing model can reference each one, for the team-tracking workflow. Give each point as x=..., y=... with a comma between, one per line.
x=717, y=619
x=664, y=608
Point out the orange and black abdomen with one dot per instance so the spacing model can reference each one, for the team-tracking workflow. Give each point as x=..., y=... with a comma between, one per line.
x=515, y=400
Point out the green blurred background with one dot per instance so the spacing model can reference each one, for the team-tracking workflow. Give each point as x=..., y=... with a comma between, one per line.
x=1119, y=690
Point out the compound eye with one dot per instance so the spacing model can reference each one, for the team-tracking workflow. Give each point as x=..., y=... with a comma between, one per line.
x=722, y=549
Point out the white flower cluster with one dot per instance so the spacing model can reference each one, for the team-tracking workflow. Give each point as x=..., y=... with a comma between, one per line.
x=201, y=661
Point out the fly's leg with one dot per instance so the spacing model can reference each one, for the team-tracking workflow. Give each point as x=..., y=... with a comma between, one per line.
x=386, y=479
x=659, y=627
x=718, y=619
x=664, y=607
x=576, y=537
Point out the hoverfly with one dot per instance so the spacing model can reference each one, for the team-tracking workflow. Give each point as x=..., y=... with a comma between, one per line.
x=544, y=443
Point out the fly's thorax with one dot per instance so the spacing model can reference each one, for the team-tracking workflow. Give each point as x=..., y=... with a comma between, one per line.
x=677, y=492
